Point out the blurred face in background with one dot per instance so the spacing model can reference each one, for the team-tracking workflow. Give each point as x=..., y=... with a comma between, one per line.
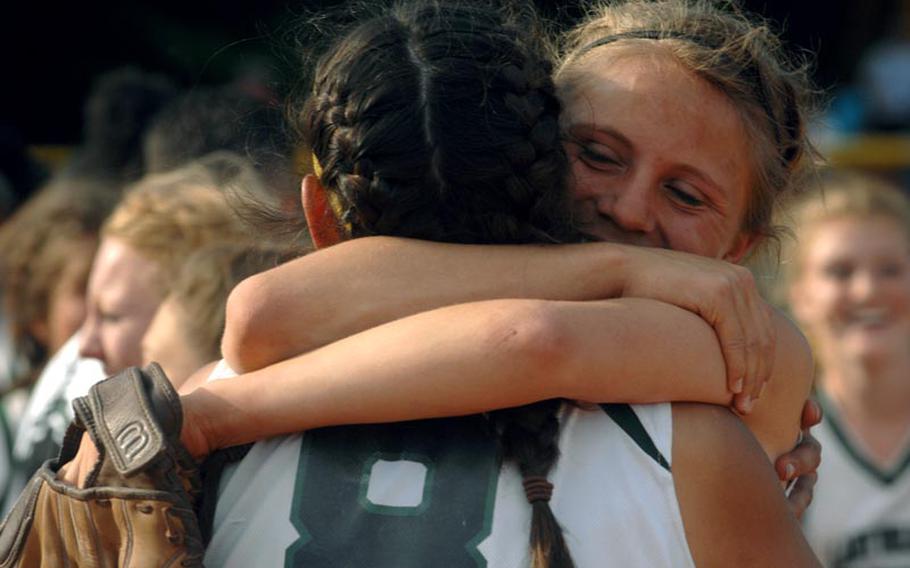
x=852, y=293
x=124, y=291
x=67, y=302
x=167, y=343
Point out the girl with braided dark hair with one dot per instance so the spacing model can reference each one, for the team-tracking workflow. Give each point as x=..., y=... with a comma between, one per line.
x=440, y=124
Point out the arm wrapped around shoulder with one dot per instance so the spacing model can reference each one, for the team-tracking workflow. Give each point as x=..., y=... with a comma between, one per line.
x=137, y=507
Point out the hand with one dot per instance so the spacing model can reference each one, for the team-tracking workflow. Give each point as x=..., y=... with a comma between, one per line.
x=802, y=462
x=76, y=471
x=198, y=435
x=725, y=296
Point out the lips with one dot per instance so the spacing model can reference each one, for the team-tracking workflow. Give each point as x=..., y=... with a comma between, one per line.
x=873, y=318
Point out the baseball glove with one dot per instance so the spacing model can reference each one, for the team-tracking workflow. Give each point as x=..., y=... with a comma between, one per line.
x=136, y=508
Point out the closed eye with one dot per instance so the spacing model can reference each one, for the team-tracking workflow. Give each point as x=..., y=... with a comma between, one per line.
x=598, y=156
x=686, y=197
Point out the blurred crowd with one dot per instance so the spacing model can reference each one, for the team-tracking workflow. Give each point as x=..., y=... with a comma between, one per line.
x=125, y=252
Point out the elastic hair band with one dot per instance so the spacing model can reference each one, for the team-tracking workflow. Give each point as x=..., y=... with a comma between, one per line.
x=317, y=169
x=537, y=489
x=646, y=34
x=751, y=71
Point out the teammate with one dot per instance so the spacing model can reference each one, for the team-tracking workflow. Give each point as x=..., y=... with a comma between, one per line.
x=849, y=286
x=159, y=222
x=185, y=333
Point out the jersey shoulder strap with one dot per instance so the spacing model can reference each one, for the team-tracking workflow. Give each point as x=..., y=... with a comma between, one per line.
x=624, y=416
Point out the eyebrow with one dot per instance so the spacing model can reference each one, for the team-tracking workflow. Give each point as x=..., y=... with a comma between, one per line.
x=588, y=128
x=717, y=193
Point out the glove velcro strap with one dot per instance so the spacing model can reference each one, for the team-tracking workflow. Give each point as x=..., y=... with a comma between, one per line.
x=131, y=415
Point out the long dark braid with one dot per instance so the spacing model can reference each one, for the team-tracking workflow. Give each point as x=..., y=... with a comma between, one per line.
x=440, y=122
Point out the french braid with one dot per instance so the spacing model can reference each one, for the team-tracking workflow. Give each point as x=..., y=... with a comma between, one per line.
x=441, y=123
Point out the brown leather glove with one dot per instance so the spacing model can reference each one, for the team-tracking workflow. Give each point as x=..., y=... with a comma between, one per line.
x=137, y=506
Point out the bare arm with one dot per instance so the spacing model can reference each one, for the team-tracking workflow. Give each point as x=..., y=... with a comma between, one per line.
x=487, y=355
x=733, y=511
x=353, y=286
x=356, y=285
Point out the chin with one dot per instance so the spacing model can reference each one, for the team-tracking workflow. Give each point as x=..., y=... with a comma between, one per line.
x=875, y=347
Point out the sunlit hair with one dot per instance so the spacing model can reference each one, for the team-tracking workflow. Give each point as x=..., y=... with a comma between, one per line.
x=842, y=195
x=56, y=227
x=165, y=217
x=736, y=53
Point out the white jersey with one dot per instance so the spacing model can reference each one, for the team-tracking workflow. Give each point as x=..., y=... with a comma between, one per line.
x=433, y=493
x=860, y=515
x=48, y=413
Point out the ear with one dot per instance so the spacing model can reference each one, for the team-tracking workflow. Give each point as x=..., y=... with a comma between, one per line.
x=742, y=245
x=319, y=215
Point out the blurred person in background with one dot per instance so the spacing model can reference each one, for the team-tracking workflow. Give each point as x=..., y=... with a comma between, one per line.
x=159, y=224
x=185, y=333
x=46, y=249
x=117, y=113
x=160, y=221
x=847, y=280
x=210, y=119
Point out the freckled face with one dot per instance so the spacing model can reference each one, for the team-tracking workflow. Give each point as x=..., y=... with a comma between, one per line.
x=659, y=156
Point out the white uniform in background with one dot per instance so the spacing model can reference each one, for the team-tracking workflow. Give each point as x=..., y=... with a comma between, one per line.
x=48, y=412
x=432, y=493
x=860, y=514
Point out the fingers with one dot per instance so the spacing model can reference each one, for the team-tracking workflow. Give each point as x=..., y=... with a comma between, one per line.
x=725, y=311
x=766, y=343
x=800, y=496
x=749, y=342
x=801, y=460
x=811, y=416
x=801, y=464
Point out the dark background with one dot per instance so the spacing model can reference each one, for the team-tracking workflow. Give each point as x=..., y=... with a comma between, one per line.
x=52, y=51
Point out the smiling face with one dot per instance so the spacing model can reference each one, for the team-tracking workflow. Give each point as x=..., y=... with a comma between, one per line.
x=853, y=291
x=659, y=156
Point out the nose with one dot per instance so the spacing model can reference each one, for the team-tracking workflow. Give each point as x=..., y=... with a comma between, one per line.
x=629, y=203
x=864, y=285
x=89, y=340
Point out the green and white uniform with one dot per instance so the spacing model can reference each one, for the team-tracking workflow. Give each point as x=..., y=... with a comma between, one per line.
x=860, y=514
x=48, y=413
x=433, y=493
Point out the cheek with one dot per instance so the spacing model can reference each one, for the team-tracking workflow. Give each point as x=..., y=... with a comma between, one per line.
x=123, y=342
x=825, y=301
x=694, y=234
x=66, y=312
x=583, y=183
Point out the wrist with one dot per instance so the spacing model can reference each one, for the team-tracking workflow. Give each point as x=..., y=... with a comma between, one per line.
x=198, y=433
x=612, y=267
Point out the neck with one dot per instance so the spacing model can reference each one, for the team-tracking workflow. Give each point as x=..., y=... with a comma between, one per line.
x=873, y=398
